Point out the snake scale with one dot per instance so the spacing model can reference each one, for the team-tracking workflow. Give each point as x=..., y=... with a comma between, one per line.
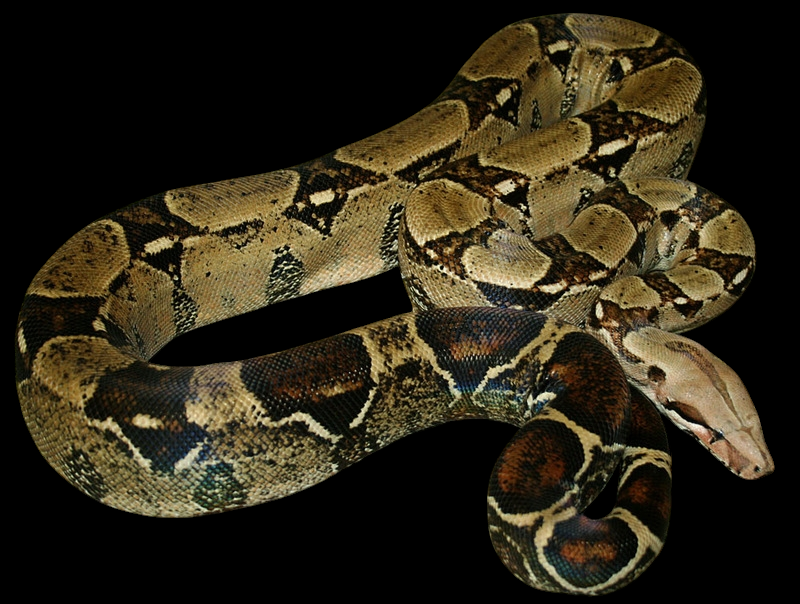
x=148, y=264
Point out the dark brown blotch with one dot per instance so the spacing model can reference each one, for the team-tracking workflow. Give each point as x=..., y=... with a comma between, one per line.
x=537, y=467
x=481, y=98
x=330, y=380
x=596, y=394
x=334, y=180
x=149, y=406
x=468, y=342
x=589, y=552
x=42, y=318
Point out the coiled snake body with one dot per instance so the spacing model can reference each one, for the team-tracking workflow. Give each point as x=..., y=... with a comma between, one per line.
x=536, y=181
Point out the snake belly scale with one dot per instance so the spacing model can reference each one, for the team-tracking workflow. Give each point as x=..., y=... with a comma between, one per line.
x=540, y=180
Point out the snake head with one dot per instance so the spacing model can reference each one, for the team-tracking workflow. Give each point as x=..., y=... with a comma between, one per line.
x=701, y=395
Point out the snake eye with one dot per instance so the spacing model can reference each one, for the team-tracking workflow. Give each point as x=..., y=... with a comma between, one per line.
x=718, y=435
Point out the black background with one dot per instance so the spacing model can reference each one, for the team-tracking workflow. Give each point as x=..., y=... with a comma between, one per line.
x=118, y=106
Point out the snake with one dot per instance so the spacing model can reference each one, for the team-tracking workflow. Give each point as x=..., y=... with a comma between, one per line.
x=552, y=251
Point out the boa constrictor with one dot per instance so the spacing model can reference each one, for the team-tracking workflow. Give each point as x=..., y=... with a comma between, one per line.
x=511, y=162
